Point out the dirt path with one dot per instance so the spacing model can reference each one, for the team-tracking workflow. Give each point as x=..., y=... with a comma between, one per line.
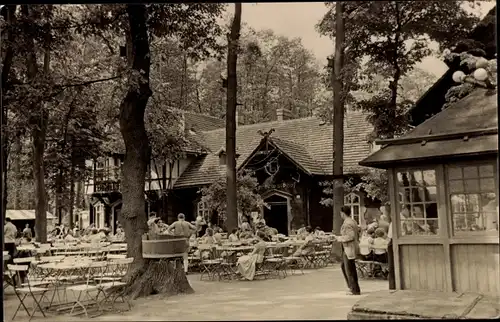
x=318, y=294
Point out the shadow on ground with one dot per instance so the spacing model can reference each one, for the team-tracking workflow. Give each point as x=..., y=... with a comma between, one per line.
x=318, y=294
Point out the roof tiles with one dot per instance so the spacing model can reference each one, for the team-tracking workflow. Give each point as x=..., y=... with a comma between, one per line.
x=308, y=141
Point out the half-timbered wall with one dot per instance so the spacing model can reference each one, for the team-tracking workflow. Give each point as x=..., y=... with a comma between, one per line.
x=164, y=174
x=105, y=175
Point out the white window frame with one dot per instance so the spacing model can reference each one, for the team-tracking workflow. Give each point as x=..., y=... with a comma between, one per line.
x=448, y=180
x=349, y=201
x=403, y=201
x=99, y=216
x=202, y=210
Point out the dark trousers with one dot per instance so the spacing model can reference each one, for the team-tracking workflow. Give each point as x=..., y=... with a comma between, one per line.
x=390, y=260
x=11, y=248
x=351, y=276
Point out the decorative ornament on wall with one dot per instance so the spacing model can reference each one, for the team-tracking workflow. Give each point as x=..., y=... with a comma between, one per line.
x=272, y=167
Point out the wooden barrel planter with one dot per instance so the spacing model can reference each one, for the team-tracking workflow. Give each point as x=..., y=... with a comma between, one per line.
x=163, y=246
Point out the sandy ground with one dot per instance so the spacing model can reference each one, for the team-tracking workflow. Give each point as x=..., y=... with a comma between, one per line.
x=318, y=294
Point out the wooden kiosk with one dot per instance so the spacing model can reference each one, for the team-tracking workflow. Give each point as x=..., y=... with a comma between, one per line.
x=443, y=181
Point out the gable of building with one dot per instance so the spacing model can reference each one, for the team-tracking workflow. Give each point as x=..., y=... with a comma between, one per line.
x=307, y=141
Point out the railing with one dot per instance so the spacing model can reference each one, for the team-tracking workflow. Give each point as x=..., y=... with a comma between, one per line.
x=106, y=186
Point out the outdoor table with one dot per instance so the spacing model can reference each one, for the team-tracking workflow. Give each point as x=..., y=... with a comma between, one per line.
x=57, y=272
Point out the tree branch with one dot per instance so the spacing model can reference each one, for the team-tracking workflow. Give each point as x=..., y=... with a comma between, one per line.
x=90, y=82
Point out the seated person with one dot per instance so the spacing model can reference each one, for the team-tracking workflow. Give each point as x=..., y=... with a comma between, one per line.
x=302, y=230
x=383, y=222
x=209, y=238
x=233, y=237
x=69, y=237
x=270, y=231
x=218, y=236
x=217, y=229
x=246, y=235
x=247, y=263
x=245, y=226
x=308, y=247
x=318, y=232
x=379, y=246
x=120, y=234
x=262, y=228
x=364, y=245
x=154, y=229
x=94, y=237
x=25, y=240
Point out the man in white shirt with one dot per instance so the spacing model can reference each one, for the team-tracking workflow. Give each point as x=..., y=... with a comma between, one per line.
x=182, y=228
x=9, y=235
x=27, y=232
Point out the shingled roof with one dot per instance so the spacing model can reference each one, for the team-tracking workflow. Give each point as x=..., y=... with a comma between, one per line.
x=308, y=141
x=194, y=124
x=443, y=134
x=201, y=122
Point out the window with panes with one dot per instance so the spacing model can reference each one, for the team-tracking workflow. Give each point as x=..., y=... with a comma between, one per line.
x=418, y=202
x=352, y=200
x=203, y=211
x=473, y=199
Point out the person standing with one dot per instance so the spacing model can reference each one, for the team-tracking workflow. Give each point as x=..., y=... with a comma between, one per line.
x=199, y=223
x=350, y=247
x=182, y=228
x=9, y=235
x=27, y=232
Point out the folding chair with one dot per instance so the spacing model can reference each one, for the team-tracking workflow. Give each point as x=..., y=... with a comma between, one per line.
x=34, y=278
x=294, y=263
x=209, y=267
x=116, y=270
x=275, y=266
x=108, y=289
x=83, y=292
x=23, y=292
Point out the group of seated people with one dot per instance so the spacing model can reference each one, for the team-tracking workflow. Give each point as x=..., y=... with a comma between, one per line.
x=91, y=234
x=374, y=240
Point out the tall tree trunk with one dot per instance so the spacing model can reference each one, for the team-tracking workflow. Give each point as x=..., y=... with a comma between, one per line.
x=79, y=194
x=183, y=81
x=16, y=167
x=338, y=119
x=38, y=121
x=232, y=97
x=8, y=13
x=59, y=195
x=72, y=189
x=146, y=276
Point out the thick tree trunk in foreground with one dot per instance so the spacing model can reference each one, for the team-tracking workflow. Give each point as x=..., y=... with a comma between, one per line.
x=146, y=276
x=232, y=91
x=8, y=13
x=38, y=122
x=338, y=120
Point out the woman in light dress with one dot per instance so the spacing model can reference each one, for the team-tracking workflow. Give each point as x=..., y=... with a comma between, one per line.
x=247, y=263
x=308, y=246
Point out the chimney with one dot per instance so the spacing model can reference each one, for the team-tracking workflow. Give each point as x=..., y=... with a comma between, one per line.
x=283, y=114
